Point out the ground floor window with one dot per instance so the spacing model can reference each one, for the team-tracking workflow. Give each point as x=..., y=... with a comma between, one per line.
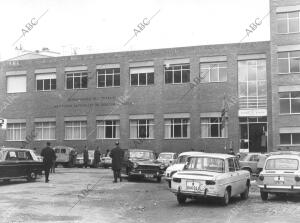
x=16, y=132
x=289, y=138
x=141, y=128
x=45, y=130
x=212, y=127
x=108, y=129
x=177, y=128
x=75, y=130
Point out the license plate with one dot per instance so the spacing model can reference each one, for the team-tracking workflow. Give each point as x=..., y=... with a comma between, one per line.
x=279, y=180
x=148, y=175
x=193, y=185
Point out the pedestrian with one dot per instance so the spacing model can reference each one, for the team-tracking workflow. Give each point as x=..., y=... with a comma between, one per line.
x=97, y=155
x=117, y=155
x=85, y=157
x=52, y=170
x=49, y=155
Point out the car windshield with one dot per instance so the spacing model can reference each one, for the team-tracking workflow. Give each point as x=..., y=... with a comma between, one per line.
x=181, y=159
x=206, y=164
x=141, y=155
x=165, y=156
x=282, y=164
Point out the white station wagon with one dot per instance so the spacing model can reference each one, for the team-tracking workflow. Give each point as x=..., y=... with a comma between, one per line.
x=211, y=175
x=280, y=175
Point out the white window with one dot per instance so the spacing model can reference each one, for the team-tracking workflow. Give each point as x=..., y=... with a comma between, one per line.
x=212, y=127
x=289, y=62
x=141, y=128
x=45, y=82
x=177, y=128
x=16, y=132
x=45, y=130
x=16, y=84
x=108, y=129
x=177, y=73
x=142, y=76
x=75, y=130
x=213, y=72
x=288, y=22
x=77, y=80
x=109, y=77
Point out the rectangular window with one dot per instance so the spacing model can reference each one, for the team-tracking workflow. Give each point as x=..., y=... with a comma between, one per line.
x=177, y=74
x=75, y=130
x=109, y=77
x=177, y=128
x=108, y=129
x=211, y=127
x=289, y=62
x=45, y=82
x=77, y=80
x=288, y=22
x=16, y=84
x=141, y=128
x=45, y=130
x=213, y=72
x=289, y=102
x=16, y=132
x=290, y=138
x=142, y=76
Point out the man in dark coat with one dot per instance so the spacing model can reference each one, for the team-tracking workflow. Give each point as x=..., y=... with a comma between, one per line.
x=97, y=155
x=117, y=155
x=49, y=155
x=85, y=157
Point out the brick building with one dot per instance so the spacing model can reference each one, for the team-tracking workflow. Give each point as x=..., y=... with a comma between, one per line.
x=210, y=98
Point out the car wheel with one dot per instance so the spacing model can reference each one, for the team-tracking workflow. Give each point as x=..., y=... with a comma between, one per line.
x=31, y=176
x=245, y=194
x=158, y=179
x=181, y=198
x=264, y=195
x=226, y=198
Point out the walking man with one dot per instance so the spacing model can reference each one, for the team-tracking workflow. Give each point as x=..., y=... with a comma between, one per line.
x=49, y=155
x=97, y=155
x=85, y=157
x=117, y=155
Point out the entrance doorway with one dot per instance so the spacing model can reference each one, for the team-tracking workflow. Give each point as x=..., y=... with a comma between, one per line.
x=254, y=134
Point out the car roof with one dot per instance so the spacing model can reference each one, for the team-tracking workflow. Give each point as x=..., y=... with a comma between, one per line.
x=287, y=156
x=12, y=149
x=167, y=153
x=214, y=155
x=190, y=153
x=141, y=150
x=62, y=147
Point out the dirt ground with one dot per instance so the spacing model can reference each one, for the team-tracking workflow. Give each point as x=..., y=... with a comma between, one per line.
x=88, y=195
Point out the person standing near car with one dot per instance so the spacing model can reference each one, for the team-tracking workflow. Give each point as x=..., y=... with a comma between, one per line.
x=85, y=157
x=97, y=155
x=49, y=155
x=117, y=155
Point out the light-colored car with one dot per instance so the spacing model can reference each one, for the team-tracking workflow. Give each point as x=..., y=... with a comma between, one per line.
x=211, y=175
x=167, y=158
x=65, y=156
x=80, y=160
x=105, y=161
x=250, y=161
x=280, y=175
x=178, y=165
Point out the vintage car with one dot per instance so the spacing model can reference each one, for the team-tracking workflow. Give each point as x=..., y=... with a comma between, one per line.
x=178, y=165
x=80, y=161
x=18, y=163
x=167, y=158
x=250, y=161
x=142, y=163
x=211, y=175
x=280, y=175
x=105, y=161
x=65, y=156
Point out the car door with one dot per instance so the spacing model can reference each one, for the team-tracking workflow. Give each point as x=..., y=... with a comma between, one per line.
x=233, y=177
x=242, y=179
x=12, y=164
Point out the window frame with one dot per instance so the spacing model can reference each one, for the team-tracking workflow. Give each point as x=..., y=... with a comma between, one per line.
x=287, y=21
x=213, y=65
x=149, y=125
x=115, y=124
x=82, y=125
x=288, y=58
x=289, y=99
x=138, y=76
x=82, y=74
x=209, y=125
x=21, y=128
x=50, y=127
x=172, y=125
x=105, y=77
x=181, y=73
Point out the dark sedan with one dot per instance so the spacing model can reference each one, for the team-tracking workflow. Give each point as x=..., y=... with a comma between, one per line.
x=18, y=163
x=142, y=163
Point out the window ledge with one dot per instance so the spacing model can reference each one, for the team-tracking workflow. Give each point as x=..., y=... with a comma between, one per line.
x=108, y=87
x=108, y=138
x=289, y=114
x=177, y=138
x=289, y=73
x=287, y=145
x=74, y=139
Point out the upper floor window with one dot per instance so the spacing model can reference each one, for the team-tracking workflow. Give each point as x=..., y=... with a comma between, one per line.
x=45, y=130
x=45, y=82
x=16, y=131
x=289, y=62
x=177, y=128
x=16, y=84
x=213, y=72
x=75, y=130
x=288, y=22
x=177, y=73
x=77, y=80
x=141, y=76
x=108, y=129
x=108, y=77
x=212, y=127
x=141, y=128
x=289, y=102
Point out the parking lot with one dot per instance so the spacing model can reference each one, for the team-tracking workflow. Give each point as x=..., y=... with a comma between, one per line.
x=88, y=195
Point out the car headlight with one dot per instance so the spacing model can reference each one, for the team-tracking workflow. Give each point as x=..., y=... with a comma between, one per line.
x=135, y=165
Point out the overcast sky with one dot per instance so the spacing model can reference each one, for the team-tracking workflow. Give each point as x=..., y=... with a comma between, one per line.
x=95, y=26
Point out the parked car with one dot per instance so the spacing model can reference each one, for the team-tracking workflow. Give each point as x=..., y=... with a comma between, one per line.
x=80, y=160
x=105, y=161
x=250, y=161
x=167, y=158
x=211, y=175
x=18, y=163
x=280, y=175
x=178, y=165
x=142, y=163
x=65, y=156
